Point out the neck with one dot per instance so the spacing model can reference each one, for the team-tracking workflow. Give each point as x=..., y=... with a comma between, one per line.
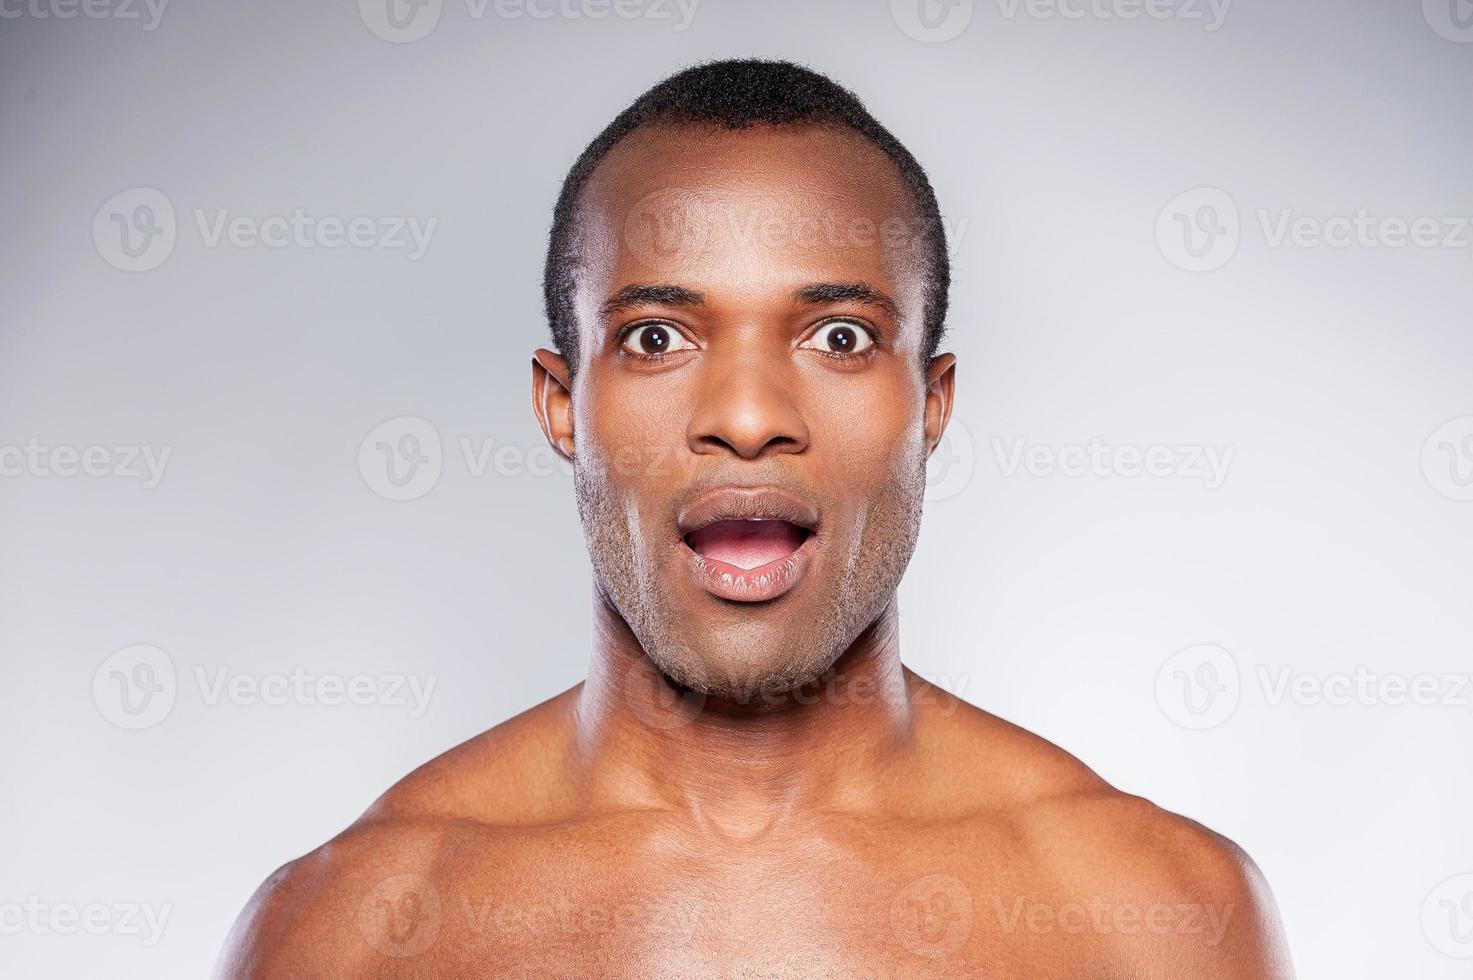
x=740, y=767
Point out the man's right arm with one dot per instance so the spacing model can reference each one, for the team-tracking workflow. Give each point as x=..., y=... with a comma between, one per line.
x=352, y=902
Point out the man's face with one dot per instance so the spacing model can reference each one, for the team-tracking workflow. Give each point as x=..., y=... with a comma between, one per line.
x=750, y=416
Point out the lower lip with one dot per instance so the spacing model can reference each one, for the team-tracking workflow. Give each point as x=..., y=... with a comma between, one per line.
x=737, y=584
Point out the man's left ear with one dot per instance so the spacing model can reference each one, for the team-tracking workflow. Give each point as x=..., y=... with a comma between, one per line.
x=940, y=388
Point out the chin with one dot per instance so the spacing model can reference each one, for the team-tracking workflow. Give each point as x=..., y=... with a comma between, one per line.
x=755, y=676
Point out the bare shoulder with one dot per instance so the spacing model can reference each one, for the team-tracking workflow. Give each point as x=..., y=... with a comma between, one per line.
x=1165, y=895
x=369, y=892
x=1107, y=873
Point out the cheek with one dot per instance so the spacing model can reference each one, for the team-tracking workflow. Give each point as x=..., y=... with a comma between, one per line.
x=633, y=437
x=872, y=433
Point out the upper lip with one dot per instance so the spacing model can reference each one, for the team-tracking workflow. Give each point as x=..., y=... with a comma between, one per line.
x=737, y=503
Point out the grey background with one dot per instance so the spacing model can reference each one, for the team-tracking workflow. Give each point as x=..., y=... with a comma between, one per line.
x=1335, y=541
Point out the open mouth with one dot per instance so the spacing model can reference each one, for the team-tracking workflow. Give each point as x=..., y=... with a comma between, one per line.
x=749, y=543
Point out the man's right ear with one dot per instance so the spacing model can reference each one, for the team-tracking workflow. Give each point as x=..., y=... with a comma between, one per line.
x=552, y=400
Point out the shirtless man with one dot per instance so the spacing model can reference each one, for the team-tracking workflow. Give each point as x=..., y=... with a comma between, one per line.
x=747, y=283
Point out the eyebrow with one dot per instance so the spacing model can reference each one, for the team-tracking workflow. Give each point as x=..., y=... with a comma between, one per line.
x=840, y=292
x=640, y=294
x=644, y=295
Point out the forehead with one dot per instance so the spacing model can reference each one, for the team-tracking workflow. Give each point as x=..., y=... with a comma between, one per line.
x=748, y=213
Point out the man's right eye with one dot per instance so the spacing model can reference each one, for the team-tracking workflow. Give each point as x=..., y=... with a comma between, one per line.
x=654, y=340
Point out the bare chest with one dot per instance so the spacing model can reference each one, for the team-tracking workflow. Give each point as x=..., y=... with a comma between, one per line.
x=918, y=911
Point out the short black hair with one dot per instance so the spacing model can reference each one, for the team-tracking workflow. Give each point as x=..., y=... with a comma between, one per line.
x=737, y=94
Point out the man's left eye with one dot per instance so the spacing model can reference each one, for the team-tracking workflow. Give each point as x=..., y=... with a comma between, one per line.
x=840, y=337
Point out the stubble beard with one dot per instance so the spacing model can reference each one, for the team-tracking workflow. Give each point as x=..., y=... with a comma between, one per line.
x=740, y=662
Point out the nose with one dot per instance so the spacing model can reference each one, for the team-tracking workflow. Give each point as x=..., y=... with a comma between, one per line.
x=746, y=407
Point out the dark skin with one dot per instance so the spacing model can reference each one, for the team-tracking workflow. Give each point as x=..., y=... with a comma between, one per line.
x=813, y=808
